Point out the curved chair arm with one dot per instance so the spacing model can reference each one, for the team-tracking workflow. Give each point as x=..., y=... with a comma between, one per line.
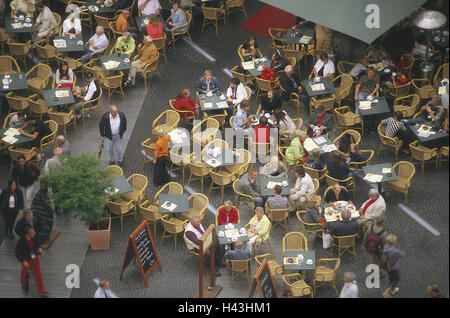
x=94, y=57
x=157, y=119
x=31, y=71
x=356, y=164
x=186, y=25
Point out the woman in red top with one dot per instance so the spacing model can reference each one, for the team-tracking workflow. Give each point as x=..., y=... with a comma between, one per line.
x=401, y=78
x=228, y=214
x=185, y=102
x=262, y=131
x=154, y=27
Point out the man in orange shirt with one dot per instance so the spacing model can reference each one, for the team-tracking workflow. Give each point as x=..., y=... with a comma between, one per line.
x=148, y=55
x=122, y=24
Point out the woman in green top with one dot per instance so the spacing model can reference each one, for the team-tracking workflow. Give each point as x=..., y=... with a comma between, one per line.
x=295, y=153
x=125, y=44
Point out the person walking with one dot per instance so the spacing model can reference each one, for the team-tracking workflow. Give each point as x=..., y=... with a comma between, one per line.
x=374, y=240
x=11, y=202
x=392, y=256
x=350, y=289
x=25, y=175
x=27, y=251
x=112, y=127
x=104, y=289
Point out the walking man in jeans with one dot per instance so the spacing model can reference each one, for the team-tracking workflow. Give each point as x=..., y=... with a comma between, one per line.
x=28, y=250
x=112, y=126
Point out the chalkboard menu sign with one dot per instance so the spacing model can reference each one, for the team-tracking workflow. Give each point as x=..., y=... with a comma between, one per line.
x=141, y=247
x=266, y=285
x=44, y=214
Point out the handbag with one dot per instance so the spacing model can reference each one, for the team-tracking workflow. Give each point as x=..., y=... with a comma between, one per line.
x=326, y=239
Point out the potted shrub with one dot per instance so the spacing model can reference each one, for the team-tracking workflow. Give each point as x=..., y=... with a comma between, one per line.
x=79, y=189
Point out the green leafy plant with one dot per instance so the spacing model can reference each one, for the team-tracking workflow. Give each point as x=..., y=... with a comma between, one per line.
x=79, y=187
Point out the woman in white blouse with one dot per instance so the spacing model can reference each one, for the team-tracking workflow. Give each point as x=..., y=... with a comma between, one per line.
x=64, y=76
x=72, y=25
x=285, y=123
x=324, y=67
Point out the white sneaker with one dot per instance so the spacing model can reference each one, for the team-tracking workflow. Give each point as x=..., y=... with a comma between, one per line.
x=396, y=289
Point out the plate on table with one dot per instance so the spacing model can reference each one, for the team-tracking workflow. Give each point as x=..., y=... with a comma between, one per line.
x=242, y=230
x=260, y=68
x=221, y=233
x=309, y=261
x=21, y=17
x=351, y=208
x=209, y=94
x=126, y=60
x=317, y=79
x=285, y=183
x=80, y=42
x=386, y=70
x=27, y=20
x=222, y=97
x=267, y=115
x=341, y=204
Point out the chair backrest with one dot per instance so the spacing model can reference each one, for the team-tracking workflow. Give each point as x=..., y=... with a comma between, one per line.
x=172, y=188
x=61, y=118
x=199, y=203
x=173, y=228
x=346, y=241
x=273, y=33
x=198, y=169
x=277, y=215
x=234, y=3
x=172, y=118
x=118, y=208
x=222, y=178
x=148, y=213
x=19, y=49
x=14, y=153
x=345, y=85
x=405, y=169
x=113, y=81
x=330, y=188
x=8, y=64
x=262, y=84
x=16, y=102
x=148, y=147
x=295, y=241
x=326, y=102
x=420, y=152
x=160, y=43
x=314, y=173
x=8, y=118
x=402, y=90
x=345, y=67
x=355, y=134
x=138, y=181
x=44, y=72
x=240, y=53
x=240, y=265
x=211, y=13
x=115, y=171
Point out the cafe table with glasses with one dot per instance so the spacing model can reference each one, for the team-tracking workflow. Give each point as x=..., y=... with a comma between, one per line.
x=219, y=158
x=429, y=137
x=173, y=203
x=230, y=233
x=256, y=66
x=333, y=211
x=21, y=24
x=120, y=186
x=379, y=174
x=13, y=82
x=12, y=136
x=299, y=35
x=268, y=183
x=68, y=43
x=213, y=101
x=115, y=62
x=299, y=260
x=319, y=86
x=58, y=97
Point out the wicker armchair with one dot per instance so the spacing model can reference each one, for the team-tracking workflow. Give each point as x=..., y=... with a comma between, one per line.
x=177, y=32
x=423, y=88
x=4, y=37
x=168, y=120
x=150, y=213
x=19, y=50
x=63, y=119
x=8, y=119
x=316, y=174
x=232, y=5
x=221, y=178
x=421, y=154
x=161, y=46
x=357, y=166
x=388, y=142
x=326, y=102
x=149, y=148
x=299, y=56
x=278, y=216
x=113, y=84
x=172, y=226
x=180, y=160
x=345, y=118
x=50, y=138
x=93, y=104
x=442, y=72
x=356, y=136
x=277, y=39
x=121, y=208
x=405, y=173
x=212, y=16
x=274, y=267
x=294, y=241
x=248, y=199
x=172, y=188
x=407, y=105
x=16, y=103
x=199, y=171
x=239, y=268
x=344, y=67
x=326, y=274
x=263, y=85
x=244, y=78
x=40, y=81
x=443, y=153
x=199, y=204
x=398, y=90
x=149, y=69
x=344, y=88
x=15, y=153
x=344, y=244
x=73, y=64
x=139, y=183
x=204, y=136
x=306, y=227
x=8, y=65
x=191, y=250
x=297, y=286
x=114, y=171
x=240, y=167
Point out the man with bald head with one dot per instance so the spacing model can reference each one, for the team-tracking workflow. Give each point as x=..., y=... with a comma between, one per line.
x=53, y=162
x=112, y=127
x=63, y=144
x=291, y=83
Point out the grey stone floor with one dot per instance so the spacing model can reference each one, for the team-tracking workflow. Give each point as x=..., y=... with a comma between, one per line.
x=427, y=255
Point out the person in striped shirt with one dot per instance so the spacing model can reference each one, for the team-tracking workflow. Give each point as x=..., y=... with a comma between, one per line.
x=395, y=127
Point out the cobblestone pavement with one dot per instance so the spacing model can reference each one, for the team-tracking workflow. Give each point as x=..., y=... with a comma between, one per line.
x=427, y=255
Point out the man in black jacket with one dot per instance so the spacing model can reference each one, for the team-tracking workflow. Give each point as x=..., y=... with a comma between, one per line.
x=112, y=126
x=290, y=83
x=27, y=251
x=26, y=174
x=346, y=226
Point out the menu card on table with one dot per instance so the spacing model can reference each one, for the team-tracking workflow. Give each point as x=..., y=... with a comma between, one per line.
x=62, y=93
x=375, y=178
x=318, y=87
x=305, y=39
x=9, y=139
x=271, y=184
x=111, y=64
x=365, y=105
x=309, y=144
x=222, y=105
x=60, y=43
x=169, y=206
x=248, y=65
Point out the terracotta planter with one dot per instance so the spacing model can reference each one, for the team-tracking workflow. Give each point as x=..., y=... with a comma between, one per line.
x=99, y=239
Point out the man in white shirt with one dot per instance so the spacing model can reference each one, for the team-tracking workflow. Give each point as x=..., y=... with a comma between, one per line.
x=90, y=92
x=236, y=93
x=53, y=162
x=112, y=127
x=324, y=67
x=72, y=25
x=17, y=120
x=44, y=22
x=97, y=42
x=304, y=184
x=148, y=7
x=350, y=289
x=103, y=290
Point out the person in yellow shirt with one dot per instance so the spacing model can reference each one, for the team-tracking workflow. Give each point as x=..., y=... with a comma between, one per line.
x=259, y=227
x=148, y=55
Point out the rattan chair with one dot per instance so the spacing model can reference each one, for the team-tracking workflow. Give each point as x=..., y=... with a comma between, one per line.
x=112, y=27
x=274, y=267
x=294, y=241
x=423, y=88
x=4, y=37
x=8, y=65
x=356, y=136
x=240, y=167
x=199, y=204
x=19, y=51
x=73, y=64
x=243, y=78
x=278, y=217
x=150, y=213
x=262, y=85
x=63, y=119
x=8, y=119
x=259, y=240
x=176, y=32
x=104, y=22
x=297, y=286
x=344, y=244
x=345, y=118
x=114, y=171
x=326, y=274
x=191, y=250
x=199, y=171
x=330, y=188
x=306, y=227
x=233, y=5
x=217, y=214
x=344, y=88
x=248, y=199
x=168, y=120
x=405, y=173
x=50, y=138
x=39, y=82
x=53, y=30
x=397, y=91
x=204, y=136
x=16, y=103
x=326, y=102
x=316, y=174
x=278, y=41
x=421, y=154
x=113, y=84
x=345, y=67
x=161, y=46
x=443, y=153
x=212, y=16
x=239, y=268
x=172, y=226
x=299, y=56
x=442, y=72
x=411, y=60
x=149, y=149
x=388, y=142
x=221, y=178
x=189, y=114
x=349, y=183
x=15, y=153
x=149, y=69
x=407, y=105
x=139, y=183
x=121, y=208
x=357, y=165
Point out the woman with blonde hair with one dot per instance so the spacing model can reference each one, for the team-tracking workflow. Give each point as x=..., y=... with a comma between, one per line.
x=154, y=28
x=227, y=214
x=295, y=153
x=314, y=210
x=314, y=160
x=161, y=158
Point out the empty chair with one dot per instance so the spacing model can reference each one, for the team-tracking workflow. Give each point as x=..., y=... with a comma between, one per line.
x=344, y=244
x=294, y=241
x=8, y=65
x=325, y=274
x=199, y=204
x=168, y=120
x=149, y=149
x=405, y=173
x=19, y=50
x=121, y=208
x=235, y=5
x=64, y=119
x=421, y=154
x=297, y=286
x=407, y=105
x=139, y=183
x=150, y=213
x=16, y=103
x=37, y=105
x=274, y=267
x=239, y=268
x=212, y=16
x=221, y=178
x=205, y=131
x=38, y=76
x=115, y=171
x=172, y=226
x=172, y=188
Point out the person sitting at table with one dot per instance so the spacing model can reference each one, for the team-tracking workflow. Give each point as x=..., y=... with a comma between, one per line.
x=148, y=55
x=72, y=25
x=249, y=184
x=360, y=68
x=44, y=22
x=259, y=226
x=337, y=168
x=274, y=168
x=314, y=210
x=337, y=193
x=125, y=44
x=277, y=202
x=177, y=18
x=368, y=85
x=154, y=28
x=270, y=101
x=278, y=62
x=373, y=207
x=185, y=102
x=207, y=83
x=377, y=54
x=64, y=76
x=23, y=7
x=227, y=214
x=400, y=78
x=303, y=184
x=313, y=160
x=285, y=123
x=240, y=252
x=63, y=144
x=320, y=122
x=241, y=119
x=345, y=227
x=290, y=83
x=39, y=129
x=17, y=120
x=295, y=153
x=262, y=131
x=420, y=48
x=431, y=111
x=97, y=42
x=123, y=26
x=86, y=94
x=236, y=93
x=249, y=49
x=148, y=7
x=324, y=67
